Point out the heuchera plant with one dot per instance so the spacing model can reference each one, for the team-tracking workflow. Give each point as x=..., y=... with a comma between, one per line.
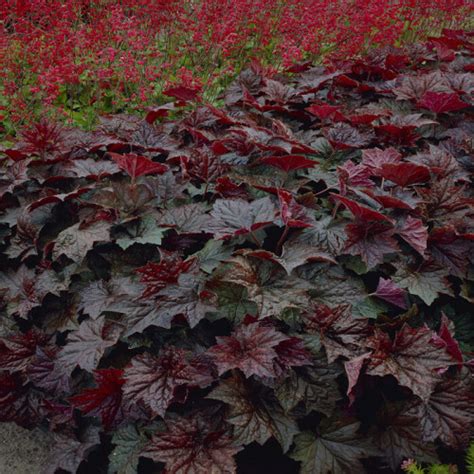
x=280, y=285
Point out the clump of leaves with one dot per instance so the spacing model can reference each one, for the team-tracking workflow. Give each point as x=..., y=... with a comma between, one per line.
x=412, y=467
x=287, y=278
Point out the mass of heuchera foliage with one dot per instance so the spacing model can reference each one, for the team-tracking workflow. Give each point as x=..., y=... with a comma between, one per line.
x=82, y=57
x=282, y=285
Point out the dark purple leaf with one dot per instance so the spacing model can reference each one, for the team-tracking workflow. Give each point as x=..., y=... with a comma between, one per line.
x=412, y=358
x=192, y=446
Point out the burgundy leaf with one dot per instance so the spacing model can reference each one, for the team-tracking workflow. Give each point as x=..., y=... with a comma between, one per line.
x=68, y=453
x=184, y=93
x=45, y=373
x=153, y=113
x=341, y=334
x=185, y=298
x=449, y=412
x=254, y=415
x=389, y=291
x=17, y=351
x=193, y=446
x=450, y=250
x=426, y=281
x=292, y=353
x=312, y=388
x=187, y=219
x=228, y=189
x=415, y=234
x=441, y=102
x=404, y=135
x=105, y=400
x=405, y=174
x=416, y=86
x=390, y=202
x=289, y=163
x=353, y=368
x=400, y=438
x=375, y=158
x=292, y=213
x=250, y=348
x=371, y=242
x=17, y=403
x=326, y=111
x=157, y=276
x=446, y=339
x=154, y=381
x=22, y=291
x=272, y=292
x=343, y=136
x=351, y=174
x=360, y=212
x=412, y=358
x=86, y=345
x=293, y=256
x=77, y=240
x=136, y=166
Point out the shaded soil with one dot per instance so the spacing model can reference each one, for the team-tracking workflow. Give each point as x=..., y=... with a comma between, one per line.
x=22, y=451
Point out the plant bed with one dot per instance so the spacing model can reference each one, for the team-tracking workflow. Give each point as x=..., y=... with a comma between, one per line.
x=72, y=61
x=282, y=284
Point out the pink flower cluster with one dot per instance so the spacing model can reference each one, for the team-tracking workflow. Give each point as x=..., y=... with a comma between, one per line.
x=117, y=55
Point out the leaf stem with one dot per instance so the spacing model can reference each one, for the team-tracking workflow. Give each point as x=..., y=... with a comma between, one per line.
x=254, y=238
x=282, y=239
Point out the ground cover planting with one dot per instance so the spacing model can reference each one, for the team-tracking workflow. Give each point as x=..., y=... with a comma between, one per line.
x=282, y=284
x=74, y=60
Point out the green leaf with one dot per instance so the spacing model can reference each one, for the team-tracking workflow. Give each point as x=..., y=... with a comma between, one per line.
x=213, y=253
x=233, y=302
x=143, y=231
x=368, y=308
x=334, y=286
x=337, y=450
x=128, y=442
x=315, y=388
x=427, y=284
x=354, y=263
